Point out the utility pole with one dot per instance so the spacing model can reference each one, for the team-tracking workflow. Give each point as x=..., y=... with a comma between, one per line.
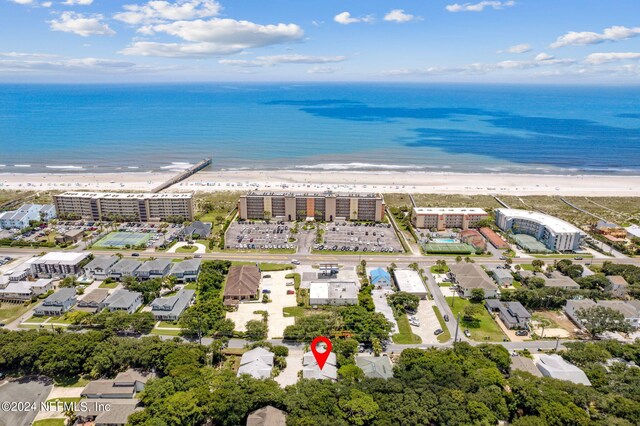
x=200, y=330
x=557, y=343
x=455, y=339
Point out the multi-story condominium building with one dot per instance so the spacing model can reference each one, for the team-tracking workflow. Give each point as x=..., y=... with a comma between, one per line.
x=134, y=207
x=554, y=233
x=325, y=206
x=442, y=218
x=58, y=264
x=21, y=217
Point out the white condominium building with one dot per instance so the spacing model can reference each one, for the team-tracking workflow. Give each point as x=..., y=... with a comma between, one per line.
x=441, y=218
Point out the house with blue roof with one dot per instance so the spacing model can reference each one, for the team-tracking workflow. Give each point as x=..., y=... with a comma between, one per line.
x=380, y=277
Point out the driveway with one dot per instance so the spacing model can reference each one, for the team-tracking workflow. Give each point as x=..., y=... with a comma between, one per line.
x=57, y=412
x=428, y=322
x=276, y=283
x=289, y=376
x=31, y=390
x=201, y=249
x=381, y=305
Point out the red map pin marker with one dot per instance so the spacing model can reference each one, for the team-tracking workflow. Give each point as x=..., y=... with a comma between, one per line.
x=321, y=357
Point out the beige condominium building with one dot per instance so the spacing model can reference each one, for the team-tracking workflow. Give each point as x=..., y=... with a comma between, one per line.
x=135, y=207
x=442, y=218
x=319, y=206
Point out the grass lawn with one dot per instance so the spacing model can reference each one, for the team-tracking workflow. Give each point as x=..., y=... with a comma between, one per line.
x=74, y=382
x=536, y=316
x=445, y=284
x=516, y=284
x=168, y=324
x=446, y=335
x=49, y=422
x=58, y=320
x=172, y=332
x=11, y=311
x=437, y=269
x=405, y=336
x=187, y=249
x=488, y=330
x=561, y=256
x=108, y=285
x=191, y=286
x=293, y=311
x=527, y=266
x=35, y=320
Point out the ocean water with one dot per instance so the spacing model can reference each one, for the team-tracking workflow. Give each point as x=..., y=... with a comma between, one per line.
x=465, y=128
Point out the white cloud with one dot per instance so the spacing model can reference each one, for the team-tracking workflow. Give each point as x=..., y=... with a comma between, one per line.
x=345, y=18
x=602, y=58
x=399, y=15
x=78, y=2
x=323, y=70
x=266, y=61
x=479, y=7
x=542, y=56
x=22, y=1
x=157, y=11
x=76, y=23
x=22, y=55
x=29, y=63
x=615, y=33
x=46, y=4
x=178, y=50
x=518, y=48
x=33, y=3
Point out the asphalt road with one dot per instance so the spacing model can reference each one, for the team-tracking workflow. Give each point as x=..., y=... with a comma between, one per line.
x=29, y=390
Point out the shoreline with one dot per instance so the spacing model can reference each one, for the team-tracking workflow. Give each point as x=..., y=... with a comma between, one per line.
x=338, y=181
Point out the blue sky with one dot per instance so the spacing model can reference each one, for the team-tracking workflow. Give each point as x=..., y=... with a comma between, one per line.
x=493, y=41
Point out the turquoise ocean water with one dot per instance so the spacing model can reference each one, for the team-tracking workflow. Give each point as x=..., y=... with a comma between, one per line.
x=466, y=128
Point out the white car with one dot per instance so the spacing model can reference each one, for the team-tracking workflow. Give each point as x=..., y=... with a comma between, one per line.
x=295, y=262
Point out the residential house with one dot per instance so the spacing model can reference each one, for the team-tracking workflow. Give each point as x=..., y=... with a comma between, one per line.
x=619, y=286
x=523, y=363
x=379, y=277
x=375, y=367
x=242, y=284
x=187, y=270
x=57, y=304
x=610, y=229
x=311, y=370
x=257, y=363
x=335, y=293
x=96, y=414
x=58, y=264
x=123, y=300
x=556, y=367
x=21, y=218
x=158, y=268
x=70, y=237
x=501, y=275
x=195, y=231
x=512, y=314
x=558, y=280
x=125, y=386
x=470, y=276
x=267, y=416
x=98, y=268
x=124, y=268
x=170, y=308
x=473, y=238
x=18, y=291
x=630, y=310
x=41, y=286
x=93, y=301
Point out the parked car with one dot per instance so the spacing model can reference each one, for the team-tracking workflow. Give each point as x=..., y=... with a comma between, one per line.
x=197, y=256
x=289, y=284
x=135, y=254
x=266, y=276
x=291, y=292
x=266, y=290
x=578, y=258
x=503, y=257
x=522, y=333
x=438, y=332
x=295, y=262
x=467, y=332
x=446, y=317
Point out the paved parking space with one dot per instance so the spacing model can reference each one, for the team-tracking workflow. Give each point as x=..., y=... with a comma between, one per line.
x=275, y=282
x=428, y=322
x=24, y=390
x=380, y=302
x=289, y=376
x=57, y=412
x=359, y=237
x=259, y=235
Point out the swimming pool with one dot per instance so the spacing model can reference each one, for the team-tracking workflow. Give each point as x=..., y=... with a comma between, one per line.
x=444, y=240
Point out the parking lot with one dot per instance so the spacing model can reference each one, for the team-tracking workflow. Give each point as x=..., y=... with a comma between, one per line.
x=259, y=235
x=428, y=322
x=31, y=390
x=275, y=284
x=359, y=237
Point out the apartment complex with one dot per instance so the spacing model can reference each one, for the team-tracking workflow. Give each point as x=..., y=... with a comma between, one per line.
x=134, y=207
x=442, y=218
x=26, y=213
x=325, y=206
x=554, y=233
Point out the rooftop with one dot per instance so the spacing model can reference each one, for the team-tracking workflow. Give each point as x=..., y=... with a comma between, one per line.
x=267, y=416
x=70, y=258
x=242, y=280
x=186, y=266
x=128, y=195
x=453, y=210
x=311, y=370
x=553, y=223
x=154, y=265
x=375, y=366
x=408, y=280
x=257, y=363
x=102, y=262
x=332, y=290
x=121, y=299
x=555, y=366
x=310, y=194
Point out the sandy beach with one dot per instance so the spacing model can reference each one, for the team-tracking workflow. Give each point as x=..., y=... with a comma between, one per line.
x=420, y=182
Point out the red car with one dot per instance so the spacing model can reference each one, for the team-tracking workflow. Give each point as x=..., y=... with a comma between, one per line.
x=291, y=292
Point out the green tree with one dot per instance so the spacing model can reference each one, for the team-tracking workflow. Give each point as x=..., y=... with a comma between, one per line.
x=359, y=408
x=477, y=295
x=350, y=373
x=402, y=300
x=256, y=330
x=599, y=319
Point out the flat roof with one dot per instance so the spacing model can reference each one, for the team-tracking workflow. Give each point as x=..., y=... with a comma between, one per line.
x=126, y=195
x=310, y=194
x=455, y=210
x=61, y=257
x=551, y=222
x=409, y=281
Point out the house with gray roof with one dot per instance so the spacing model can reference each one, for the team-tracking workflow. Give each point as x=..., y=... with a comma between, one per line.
x=92, y=411
x=502, y=276
x=124, y=268
x=158, y=268
x=98, y=268
x=267, y=416
x=523, y=363
x=512, y=314
x=92, y=301
x=559, y=280
x=619, y=286
x=257, y=363
x=24, y=290
x=630, y=310
x=57, y=304
x=556, y=367
x=197, y=230
x=311, y=369
x=123, y=300
x=124, y=386
x=170, y=308
x=187, y=270
x=375, y=367
x=470, y=276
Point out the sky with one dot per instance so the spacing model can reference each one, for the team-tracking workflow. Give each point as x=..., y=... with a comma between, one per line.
x=480, y=41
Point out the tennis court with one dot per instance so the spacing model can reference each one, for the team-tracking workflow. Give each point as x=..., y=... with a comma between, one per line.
x=123, y=239
x=451, y=248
